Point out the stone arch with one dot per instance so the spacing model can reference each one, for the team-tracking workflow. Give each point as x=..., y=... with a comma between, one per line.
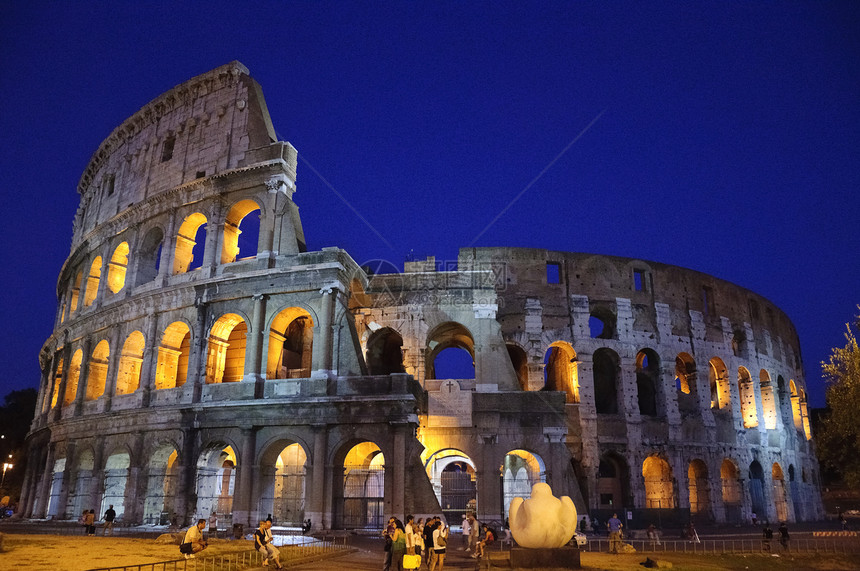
x=149, y=256
x=161, y=484
x=453, y=475
x=605, y=368
x=174, y=352
x=685, y=384
x=283, y=467
x=92, y=288
x=601, y=323
x=116, y=471
x=520, y=470
x=117, y=268
x=768, y=402
x=291, y=337
x=385, y=352
x=130, y=361
x=699, y=488
x=613, y=481
x=359, y=487
x=73, y=377
x=233, y=247
x=648, y=381
x=780, y=492
x=520, y=362
x=756, y=485
x=560, y=370
x=190, y=243
x=746, y=389
x=731, y=490
x=795, y=406
x=659, y=483
x=97, y=370
x=225, y=362
x=718, y=380
x=449, y=334
x=79, y=492
x=216, y=479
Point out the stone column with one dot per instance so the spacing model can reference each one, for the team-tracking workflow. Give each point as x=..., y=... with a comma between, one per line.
x=318, y=474
x=83, y=373
x=61, y=393
x=113, y=367
x=41, y=506
x=68, y=473
x=242, y=501
x=150, y=360
x=98, y=481
x=489, y=480
x=186, y=472
x=322, y=351
x=254, y=350
x=30, y=488
x=135, y=486
x=398, y=468
x=197, y=359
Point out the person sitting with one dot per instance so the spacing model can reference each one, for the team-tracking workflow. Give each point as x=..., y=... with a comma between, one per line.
x=194, y=542
x=487, y=538
x=263, y=544
x=306, y=526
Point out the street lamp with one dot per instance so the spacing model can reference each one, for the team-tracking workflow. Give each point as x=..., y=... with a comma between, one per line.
x=6, y=466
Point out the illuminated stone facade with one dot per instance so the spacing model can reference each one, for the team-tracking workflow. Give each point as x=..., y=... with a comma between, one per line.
x=202, y=360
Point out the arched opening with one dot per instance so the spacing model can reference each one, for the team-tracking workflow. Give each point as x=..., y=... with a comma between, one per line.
x=605, y=369
x=190, y=244
x=454, y=479
x=291, y=338
x=697, y=477
x=520, y=471
x=795, y=492
x=97, y=370
x=149, y=256
x=731, y=489
x=216, y=480
x=58, y=378
x=659, y=483
x=779, y=493
x=718, y=380
x=117, y=268
x=385, y=352
x=458, y=361
x=647, y=381
x=560, y=370
x=795, y=406
x=92, y=288
x=81, y=483
x=747, y=395
x=768, y=402
x=52, y=510
x=756, y=484
x=130, y=361
x=241, y=232
x=115, y=481
x=171, y=369
x=601, y=324
x=74, y=377
x=520, y=362
x=685, y=384
x=804, y=415
x=225, y=361
x=612, y=482
x=284, y=484
x=161, y=484
x=361, y=497
x=76, y=291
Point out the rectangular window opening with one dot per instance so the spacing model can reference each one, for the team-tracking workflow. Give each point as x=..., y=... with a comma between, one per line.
x=640, y=280
x=167, y=148
x=109, y=183
x=553, y=273
x=708, y=307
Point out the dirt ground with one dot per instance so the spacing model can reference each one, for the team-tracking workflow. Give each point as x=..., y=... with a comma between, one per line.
x=79, y=553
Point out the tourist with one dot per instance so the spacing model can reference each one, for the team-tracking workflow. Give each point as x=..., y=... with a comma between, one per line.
x=418, y=536
x=306, y=526
x=194, y=542
x=783, y=536
x=410, y=534
x=398, y=545
x=653, y=536
x=213, y=524
x=263, y=544
x=487, y=538
x=466, y=531
x=90, y=522
x=431, y=526
x=440, y=542
x=766, y=537
x=474, y=532
x=614, y=526
x=110, y=515
x=83, y=520
x=388, y=536
x=583, y=525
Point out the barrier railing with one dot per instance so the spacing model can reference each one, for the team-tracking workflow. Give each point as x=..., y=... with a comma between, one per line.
x=836, y=545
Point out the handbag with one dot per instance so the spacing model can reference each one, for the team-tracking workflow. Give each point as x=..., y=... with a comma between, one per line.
x=411, y=561
x=441, y=541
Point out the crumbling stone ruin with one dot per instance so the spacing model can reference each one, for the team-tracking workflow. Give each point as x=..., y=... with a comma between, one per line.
x=203, y=360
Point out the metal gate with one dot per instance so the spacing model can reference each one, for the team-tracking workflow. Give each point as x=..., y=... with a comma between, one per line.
x=288, y=496
x=757, y=498
x=363, y=495
x=458, y=495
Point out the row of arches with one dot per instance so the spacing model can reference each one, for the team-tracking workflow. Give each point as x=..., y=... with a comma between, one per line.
x=239, y=240
x=767, y=497
x=289, y=353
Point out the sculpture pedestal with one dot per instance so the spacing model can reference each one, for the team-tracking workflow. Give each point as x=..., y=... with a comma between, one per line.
x=560, y=558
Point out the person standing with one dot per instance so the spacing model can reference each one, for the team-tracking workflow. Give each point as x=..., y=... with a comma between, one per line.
x=431, y=526
x=194, y=542
x=213, y=524
x=398, y=546
x=90, y=522
x=110, y=515
x=440, y=543
x=388, y=536
x=766, y=537
x=474, y=531
x=614, y=526
x=783, y=536
x=466, y=531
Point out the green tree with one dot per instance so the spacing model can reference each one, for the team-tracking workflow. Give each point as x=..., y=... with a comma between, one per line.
x=839, y=438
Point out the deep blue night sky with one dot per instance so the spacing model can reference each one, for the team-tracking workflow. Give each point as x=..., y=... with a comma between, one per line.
x=728, y=137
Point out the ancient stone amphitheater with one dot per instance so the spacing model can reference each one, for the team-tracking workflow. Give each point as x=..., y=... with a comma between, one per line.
x=203, y=361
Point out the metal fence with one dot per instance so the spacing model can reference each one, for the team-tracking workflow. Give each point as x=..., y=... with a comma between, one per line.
x=297, y=550
x=836, y=545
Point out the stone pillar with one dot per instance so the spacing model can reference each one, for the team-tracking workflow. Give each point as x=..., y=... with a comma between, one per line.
x=186, y=472
x=316, y=504
x=150, y=359
x=323, y=347
x=135, y=486
x=197, y=359
x=242, y=500
x=113, y=366
x=83, y=373
x=254, y=350
x=68, y=473
x=40, y=509
x=489, y=480
x=29, y=489
x=98, y=481
x=397, y=482
x=61, y=393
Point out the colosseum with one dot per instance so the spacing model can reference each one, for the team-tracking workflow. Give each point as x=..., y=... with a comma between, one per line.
x=202, y=360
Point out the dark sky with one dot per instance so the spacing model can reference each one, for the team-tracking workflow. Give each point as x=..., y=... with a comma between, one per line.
x=726, y=139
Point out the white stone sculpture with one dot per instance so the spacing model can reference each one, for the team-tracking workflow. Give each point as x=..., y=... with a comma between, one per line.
x=543, y=521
